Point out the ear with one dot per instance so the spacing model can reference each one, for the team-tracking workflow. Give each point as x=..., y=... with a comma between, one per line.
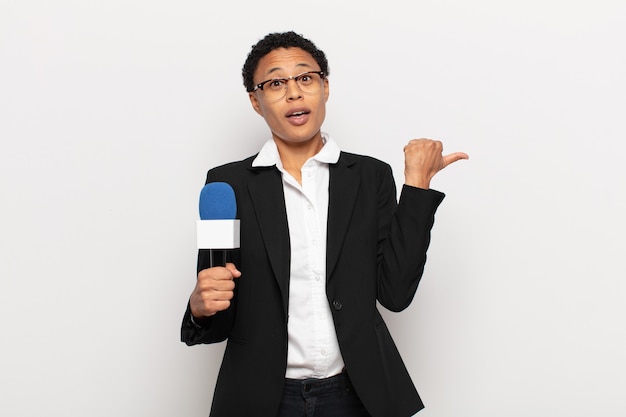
x=255, y=103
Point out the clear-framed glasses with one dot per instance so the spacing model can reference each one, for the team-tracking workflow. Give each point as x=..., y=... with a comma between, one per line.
x=308, y=82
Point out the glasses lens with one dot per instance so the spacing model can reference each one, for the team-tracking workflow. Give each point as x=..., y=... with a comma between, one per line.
x=275, y=89
x=309, y=82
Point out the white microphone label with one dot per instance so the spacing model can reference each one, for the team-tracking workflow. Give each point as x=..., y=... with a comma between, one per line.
x=217, y=234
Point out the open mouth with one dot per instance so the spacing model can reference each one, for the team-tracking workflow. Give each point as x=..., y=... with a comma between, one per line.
x=298, y=113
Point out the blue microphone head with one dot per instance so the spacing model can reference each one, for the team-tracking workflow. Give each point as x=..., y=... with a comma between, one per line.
x=217, y=202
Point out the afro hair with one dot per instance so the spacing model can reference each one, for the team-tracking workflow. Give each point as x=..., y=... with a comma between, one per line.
x=275, y=41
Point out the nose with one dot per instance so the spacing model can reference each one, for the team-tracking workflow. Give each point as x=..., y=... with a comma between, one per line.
x=293, y=91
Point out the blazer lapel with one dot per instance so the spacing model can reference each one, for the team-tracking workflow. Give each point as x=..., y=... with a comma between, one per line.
x=342, y=192
x=266, y=193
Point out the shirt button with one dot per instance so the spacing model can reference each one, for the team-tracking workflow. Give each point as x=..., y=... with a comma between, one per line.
x=337, y=305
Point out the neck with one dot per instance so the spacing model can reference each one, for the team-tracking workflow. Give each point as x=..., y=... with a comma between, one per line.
x=293, y=155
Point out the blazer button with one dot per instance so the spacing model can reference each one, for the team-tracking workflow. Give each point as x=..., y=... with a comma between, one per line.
x=337, y=305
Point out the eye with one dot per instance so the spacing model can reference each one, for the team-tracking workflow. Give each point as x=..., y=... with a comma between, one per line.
x=305, y=79
x=276, y=84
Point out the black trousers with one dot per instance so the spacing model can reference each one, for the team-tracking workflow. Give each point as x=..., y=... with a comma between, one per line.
x=329, y=397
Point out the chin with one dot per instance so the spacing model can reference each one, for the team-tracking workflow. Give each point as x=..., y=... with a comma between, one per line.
x=297, y=138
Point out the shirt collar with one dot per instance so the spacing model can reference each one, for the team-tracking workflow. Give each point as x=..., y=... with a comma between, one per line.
x=268, y=155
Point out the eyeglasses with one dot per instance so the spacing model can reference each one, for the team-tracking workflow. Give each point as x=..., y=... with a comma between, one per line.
x=276, y=88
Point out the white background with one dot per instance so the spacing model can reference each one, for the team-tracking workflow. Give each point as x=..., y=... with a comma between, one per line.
x=112, y=111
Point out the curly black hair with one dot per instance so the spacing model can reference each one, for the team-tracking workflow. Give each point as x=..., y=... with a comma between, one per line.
x=274, y=41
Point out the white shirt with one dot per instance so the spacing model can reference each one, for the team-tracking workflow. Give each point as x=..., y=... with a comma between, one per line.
x=313, y=350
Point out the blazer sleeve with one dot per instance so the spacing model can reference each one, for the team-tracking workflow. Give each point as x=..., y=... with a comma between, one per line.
x=207, y=330
x=404, y=237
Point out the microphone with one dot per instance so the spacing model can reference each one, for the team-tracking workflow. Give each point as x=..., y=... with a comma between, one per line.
x=217, y=229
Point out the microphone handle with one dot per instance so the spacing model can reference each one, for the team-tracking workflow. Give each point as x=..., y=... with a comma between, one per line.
x=217, y=257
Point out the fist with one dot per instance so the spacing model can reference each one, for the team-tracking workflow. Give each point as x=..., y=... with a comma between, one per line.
x=214, y=290
x=423, y=158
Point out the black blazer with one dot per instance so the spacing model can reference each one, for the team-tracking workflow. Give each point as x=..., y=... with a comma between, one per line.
x=376, y=251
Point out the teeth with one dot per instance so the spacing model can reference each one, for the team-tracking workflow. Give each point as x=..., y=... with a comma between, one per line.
x=299, y=113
